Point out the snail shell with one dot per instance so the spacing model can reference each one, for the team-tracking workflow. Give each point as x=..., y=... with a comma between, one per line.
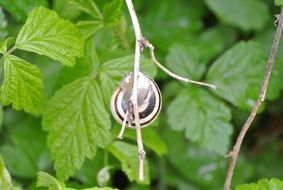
x=149, y=99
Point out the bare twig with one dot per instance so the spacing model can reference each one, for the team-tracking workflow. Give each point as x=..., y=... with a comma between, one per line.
x=173, y=75
x=134, y=98
x=233, y=155
x=120, y=136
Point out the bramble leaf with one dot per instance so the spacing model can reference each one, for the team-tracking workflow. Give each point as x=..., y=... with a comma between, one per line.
x=20, y=9
x=57, y=38
x=6, y=44
x=151, y=139
x=77, y=122
x=185, y=62
x=238, y=74
x=263, y=184
x=22, y=84
x=127, y=155
x=193, y=110
x=46, y=180
x=5, y=178
x=88, y=28
x=207, y=169
x=23, y=132
x=112, y=12
x=241, y=13
x=88, y=6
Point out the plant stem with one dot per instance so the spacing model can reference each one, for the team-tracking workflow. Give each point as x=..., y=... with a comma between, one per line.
x=134, y=98
x=233, y=154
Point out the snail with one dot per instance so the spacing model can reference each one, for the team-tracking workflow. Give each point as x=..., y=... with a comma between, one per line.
x=149, y=100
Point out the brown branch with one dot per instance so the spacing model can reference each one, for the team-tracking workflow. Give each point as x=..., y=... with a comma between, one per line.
x=233, y=155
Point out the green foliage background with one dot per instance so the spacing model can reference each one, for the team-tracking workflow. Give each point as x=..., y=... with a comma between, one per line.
x=62, y=59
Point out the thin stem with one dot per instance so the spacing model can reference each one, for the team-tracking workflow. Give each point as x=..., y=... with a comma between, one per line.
x=233, y=155
x=134, y=98
x=173, y=75
x=120, y=136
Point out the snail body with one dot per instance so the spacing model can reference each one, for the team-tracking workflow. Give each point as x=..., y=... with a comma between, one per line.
x=149, y=100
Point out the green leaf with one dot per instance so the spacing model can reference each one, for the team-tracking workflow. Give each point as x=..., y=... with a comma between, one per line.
x=88, y=28
x=127, y=155
x=22, y=84
x=263, y=184
x=77, y=122
x=57, y=38
x=46, y=180
x=203, y=168
x=238, y=74
x=5, y=178
x=84, y=67
x=6, y=45
x=151, y=139
x=193, y=110
x=241, y=13
x=24, y=131
x=214, y=41
x=3, y=25
x=278, y=2
x=169, y=21
x=111, y=73
x=88, y=6
x=20, y=9
x=185, y=61
x=112, y=12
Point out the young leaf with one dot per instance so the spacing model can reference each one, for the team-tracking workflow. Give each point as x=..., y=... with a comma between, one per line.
x=88, y=28
x=77, y=122
x=88, y=6
x=238, y=74
x=194, y=111
x=112, y=12
x=5, y=178
x=127, y=155
x=20, y=9
x=241, y=13
x=46, y=180
x=22, y=84
x=263, y=184
x=57, y=38
x=6, y=45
